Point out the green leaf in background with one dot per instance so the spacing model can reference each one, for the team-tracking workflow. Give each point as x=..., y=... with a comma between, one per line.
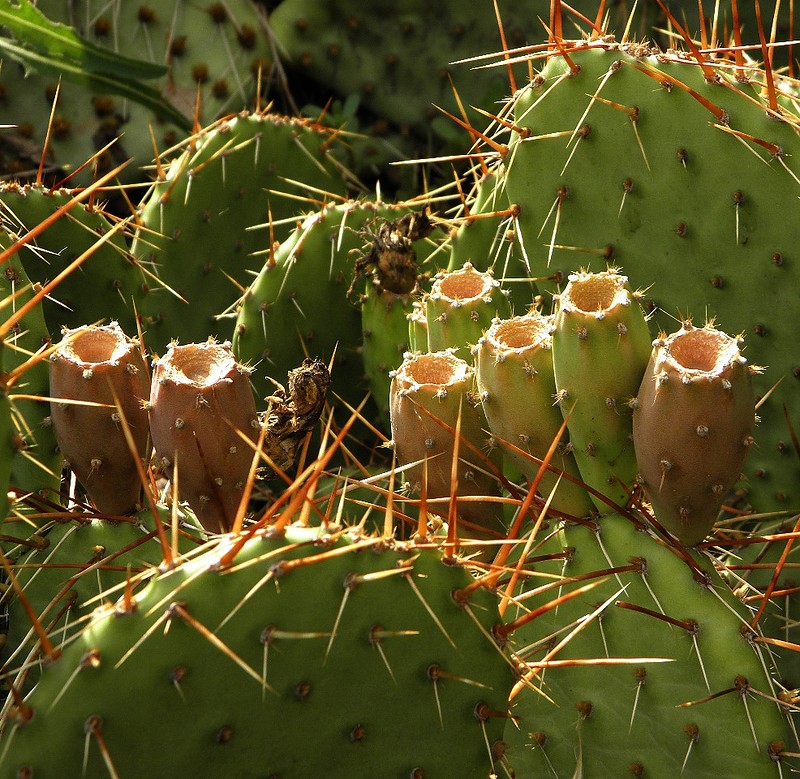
x=57, y=50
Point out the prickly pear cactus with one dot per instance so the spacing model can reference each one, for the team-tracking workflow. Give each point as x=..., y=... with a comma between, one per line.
x=654, y=671
x=195, y=234
x=73, y=564
x=678, y=171
x=392, y=634
x=211, y=53
x=36, y=463
x=108, y=280
x=300, y=302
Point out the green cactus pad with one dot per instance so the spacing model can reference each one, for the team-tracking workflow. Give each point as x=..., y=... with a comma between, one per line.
x=367, y=648
x=299, y=304
x=102, y=288
x=607, y=706
x=680, y=171
x=195, y=233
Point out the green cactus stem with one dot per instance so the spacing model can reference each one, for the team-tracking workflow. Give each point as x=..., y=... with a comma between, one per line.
x=202, y=415
x=516, y=385
x=102, y=366
x=601, y=344
x=692, y=427
x=427, y=390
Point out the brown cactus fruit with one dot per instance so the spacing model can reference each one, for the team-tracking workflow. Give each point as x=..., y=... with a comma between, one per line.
x=201, y=405
x=442, y=385
x=692, y=427
x=94, y=364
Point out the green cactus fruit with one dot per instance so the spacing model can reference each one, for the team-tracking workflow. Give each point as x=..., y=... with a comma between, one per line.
x=211, y=53
x=106, y=283
x=460, y=306
x=692, y=427
x=429, y=389
x=36, y=464
x=485, y=235
x=596, y=697
x=302, y=634
x=601, y=344
x=516, y=385
x=196, y=223
x=204, y=425
x=70, y=565
x=299, y=302
x=99, y=385
x=385, y=331
x=675, y=163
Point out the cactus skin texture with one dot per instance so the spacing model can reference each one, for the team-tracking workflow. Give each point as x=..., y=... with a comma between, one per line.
x=202, y=413
x=102, y=365
x=299, y=303
x=68, y=567
x=593, y=718
x=601, y=344
x=107, y=282
x=516, y=385
x=460, y=306
x=686, y=193
x=433, y=387
x=212, y=49
x=359, y=642
x=197, y=220
x=36, y=464
x=692, y=427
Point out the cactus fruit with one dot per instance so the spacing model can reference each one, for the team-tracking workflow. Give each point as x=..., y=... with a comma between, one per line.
x=99, y=385
x=675, y=164
x=460, y=306
x=601, y=344
x=597, y=699
x=516, y=385
x=431, y=398
x=260, y=666
x=692, y=427
x=197, y=222
x=204, y=426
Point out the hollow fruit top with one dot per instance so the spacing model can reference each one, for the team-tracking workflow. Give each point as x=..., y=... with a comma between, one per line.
x=464, y=284
x=201, y=365
x=520, y=333
x=595, y=292
x=702, y=350
x=94, y=345
x=433, y=369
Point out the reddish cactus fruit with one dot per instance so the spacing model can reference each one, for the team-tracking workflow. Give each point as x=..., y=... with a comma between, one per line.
x=692, y=427
x=100, y=364
x=201, y=405
x=439, y=386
